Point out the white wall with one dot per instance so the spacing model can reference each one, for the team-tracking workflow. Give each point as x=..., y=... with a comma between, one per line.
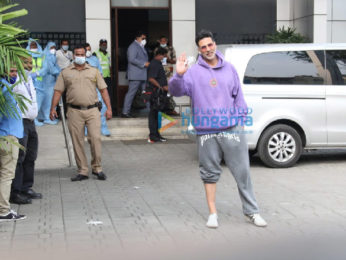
x=98, y=23
x=309, y=17
x=184, y=30
x=303, y=17
x=320, y=21
x=336, y=21
x=284, y=16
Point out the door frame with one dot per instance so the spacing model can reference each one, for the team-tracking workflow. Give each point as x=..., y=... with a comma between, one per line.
x=115, y=44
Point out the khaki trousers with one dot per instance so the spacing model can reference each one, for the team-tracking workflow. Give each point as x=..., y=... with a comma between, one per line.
x=77, y=120
x=8, y=162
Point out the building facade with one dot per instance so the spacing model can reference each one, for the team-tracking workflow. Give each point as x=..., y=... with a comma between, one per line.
x=319, y=20
x=232, y=21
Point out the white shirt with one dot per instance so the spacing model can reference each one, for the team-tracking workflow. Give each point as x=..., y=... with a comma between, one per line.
x=22, y=88
x=64, y=58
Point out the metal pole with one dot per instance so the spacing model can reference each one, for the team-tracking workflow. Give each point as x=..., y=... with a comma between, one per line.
x=68, y=141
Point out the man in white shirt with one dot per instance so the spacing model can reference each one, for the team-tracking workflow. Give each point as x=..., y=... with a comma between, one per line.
x=21, y=190
x=64, y=57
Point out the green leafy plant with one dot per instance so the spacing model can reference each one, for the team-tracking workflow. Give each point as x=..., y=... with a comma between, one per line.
x=11, y=55
x=284, y=35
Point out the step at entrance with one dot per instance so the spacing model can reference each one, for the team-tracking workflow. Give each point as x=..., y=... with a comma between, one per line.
x=137, y=128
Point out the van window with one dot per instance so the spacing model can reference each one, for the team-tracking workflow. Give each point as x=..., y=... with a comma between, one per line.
x=289, y=67
x=336, y=67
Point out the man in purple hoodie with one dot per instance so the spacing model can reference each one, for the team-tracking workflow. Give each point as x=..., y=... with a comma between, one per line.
x=219, y=114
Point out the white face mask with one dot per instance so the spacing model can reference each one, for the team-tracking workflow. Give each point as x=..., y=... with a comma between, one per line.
x=65, y=47
x=143, y=42
x=88, y=54
x=79, y=60
x=34, y=50
x=52, y=51
x=163, y=45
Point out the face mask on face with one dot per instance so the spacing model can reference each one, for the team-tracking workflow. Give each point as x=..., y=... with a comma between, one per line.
x=103, y=48
x=79, y=60
x=64, y=47
x=143, y=42
x=52, y=51
x=34, y=50
x=88, y=54
x=13, y=80
x=163, y=45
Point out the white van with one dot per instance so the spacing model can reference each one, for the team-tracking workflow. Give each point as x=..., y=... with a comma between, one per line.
x=297, y=93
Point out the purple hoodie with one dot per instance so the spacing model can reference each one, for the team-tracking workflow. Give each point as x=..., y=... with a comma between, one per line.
x=217, y=99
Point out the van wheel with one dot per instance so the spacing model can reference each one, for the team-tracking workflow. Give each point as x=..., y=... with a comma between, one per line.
x=280, y=146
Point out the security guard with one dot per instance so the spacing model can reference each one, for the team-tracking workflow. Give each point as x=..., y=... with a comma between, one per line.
x=105, y=61
x=80, y=81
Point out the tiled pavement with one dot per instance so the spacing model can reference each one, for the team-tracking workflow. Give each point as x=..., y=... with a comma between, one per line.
x=153, y=201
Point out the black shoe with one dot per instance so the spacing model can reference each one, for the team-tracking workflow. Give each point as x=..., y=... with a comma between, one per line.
x=30, y=193
x=126, y=115
x=100, y=176
x=79, y=177
x=17, y=198
x=162, y=139
x=12, y=215
x=154, y=139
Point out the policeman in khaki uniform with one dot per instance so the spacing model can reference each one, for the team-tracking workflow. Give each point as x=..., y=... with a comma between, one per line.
x=80, y=82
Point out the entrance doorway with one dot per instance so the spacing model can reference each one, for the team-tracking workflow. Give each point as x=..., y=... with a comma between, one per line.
x=125, y=23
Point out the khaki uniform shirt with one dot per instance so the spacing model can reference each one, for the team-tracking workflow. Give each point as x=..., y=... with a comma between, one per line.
x=170, y=55
x=80, y=85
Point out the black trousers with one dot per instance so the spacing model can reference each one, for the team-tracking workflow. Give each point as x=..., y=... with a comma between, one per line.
x=24, y=176
x=153, y=123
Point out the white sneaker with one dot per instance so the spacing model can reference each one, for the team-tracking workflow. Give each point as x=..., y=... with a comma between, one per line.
x=212, y=221
x=256, y=219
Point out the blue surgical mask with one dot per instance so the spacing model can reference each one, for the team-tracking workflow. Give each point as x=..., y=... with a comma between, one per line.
x=79, y=60
x=13, y=80
x=163, y=45
x=64, y=47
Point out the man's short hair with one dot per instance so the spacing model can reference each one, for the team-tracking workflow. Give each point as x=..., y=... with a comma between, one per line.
x=63, y=40
x=86, y=45
x=163, y=36
x=139, y=34
x=78, y=46
x=161, y=51
x=204, y=34
x=103, y=41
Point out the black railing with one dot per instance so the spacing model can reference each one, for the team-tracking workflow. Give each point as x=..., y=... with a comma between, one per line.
x=44, y=37
x=249, y=38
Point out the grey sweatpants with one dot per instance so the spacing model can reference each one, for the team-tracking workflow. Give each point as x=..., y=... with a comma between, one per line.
x=232, y=146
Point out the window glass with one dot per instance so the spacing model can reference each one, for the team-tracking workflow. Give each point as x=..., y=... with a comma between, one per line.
x=291, y=68
x=336, y=67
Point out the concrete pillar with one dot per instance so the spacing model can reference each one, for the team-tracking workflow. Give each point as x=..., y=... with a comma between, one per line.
x=184, y=31
x=284, y=13
x=336, y=23
x=320, y=34
x=98, y=22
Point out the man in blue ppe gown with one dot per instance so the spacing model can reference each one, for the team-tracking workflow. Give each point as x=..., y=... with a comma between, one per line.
x=49, y=73
x=94, y=62
x=36, y=53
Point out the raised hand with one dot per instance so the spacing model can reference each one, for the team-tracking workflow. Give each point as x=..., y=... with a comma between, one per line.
x=181, y=65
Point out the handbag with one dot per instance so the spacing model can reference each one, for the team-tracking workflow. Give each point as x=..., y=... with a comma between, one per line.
x=139, y=101
x=160, y=100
